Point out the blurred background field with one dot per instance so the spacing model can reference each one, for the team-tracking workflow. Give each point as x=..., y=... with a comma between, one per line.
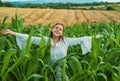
x=66, y=13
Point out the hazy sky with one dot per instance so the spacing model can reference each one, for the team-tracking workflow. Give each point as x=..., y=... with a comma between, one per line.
x=74, y=1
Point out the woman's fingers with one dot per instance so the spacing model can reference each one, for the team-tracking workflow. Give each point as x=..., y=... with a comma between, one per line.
x=99, y=36
x=5, y=31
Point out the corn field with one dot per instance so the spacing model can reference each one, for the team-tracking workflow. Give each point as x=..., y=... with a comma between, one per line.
x=31, y=63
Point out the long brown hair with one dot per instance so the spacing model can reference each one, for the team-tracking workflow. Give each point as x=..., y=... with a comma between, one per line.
x=51, y=33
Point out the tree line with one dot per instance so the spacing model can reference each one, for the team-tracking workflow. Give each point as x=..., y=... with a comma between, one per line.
x=57, y=5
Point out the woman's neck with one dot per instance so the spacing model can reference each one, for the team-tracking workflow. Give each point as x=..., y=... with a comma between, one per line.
x=55, y=40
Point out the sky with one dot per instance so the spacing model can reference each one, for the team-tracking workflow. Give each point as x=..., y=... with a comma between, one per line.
x=74, y=1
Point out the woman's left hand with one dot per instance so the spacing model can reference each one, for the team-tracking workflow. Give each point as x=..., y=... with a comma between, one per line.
x=99, y=36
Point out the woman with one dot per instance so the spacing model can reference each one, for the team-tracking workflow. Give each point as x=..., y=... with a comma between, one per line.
x=59, y=44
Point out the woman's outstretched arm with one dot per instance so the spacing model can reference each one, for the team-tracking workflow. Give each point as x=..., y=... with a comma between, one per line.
x=22, y=38
x=7, y=31
x=85, y=42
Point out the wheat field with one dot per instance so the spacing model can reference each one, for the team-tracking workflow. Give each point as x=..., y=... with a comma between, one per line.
x=52, y=16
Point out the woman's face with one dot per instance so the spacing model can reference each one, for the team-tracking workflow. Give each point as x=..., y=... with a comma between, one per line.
x=57, y=30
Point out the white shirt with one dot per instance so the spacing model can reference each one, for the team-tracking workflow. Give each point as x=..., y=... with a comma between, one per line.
x=60, y=50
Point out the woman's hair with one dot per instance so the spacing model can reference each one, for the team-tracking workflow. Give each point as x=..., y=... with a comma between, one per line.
x=51, y=33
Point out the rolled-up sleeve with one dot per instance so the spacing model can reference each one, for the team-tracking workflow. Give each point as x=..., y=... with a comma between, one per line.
x=22, y=39
x=85, y=43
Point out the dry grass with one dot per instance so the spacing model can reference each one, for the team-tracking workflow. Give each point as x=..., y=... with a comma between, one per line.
x=52, y=16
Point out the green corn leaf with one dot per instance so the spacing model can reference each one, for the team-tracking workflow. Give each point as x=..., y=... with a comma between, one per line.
x=71, y=64
x=75, y=77
x=7, y=57
x=42, y=48
x=19, y=60
x=32, y=68
x=34, y=76
x=2, y=42
x=14, y=24
x=9, y=43
x=79, y=67
x=64, y=70
x=28, y=44
x=46, y=77
x=5, y=18
x=117, y=43
x=47, y=53
x=102, y=75
x=20, y=24
x=75, y=65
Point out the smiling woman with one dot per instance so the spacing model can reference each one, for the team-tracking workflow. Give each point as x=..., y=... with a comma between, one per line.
x=56, y=37
x=59, y=44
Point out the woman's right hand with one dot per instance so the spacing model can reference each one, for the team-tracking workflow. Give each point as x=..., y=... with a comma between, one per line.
x=7, y=31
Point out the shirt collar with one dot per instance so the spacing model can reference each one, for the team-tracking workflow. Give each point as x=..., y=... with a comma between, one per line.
x=52, y=43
